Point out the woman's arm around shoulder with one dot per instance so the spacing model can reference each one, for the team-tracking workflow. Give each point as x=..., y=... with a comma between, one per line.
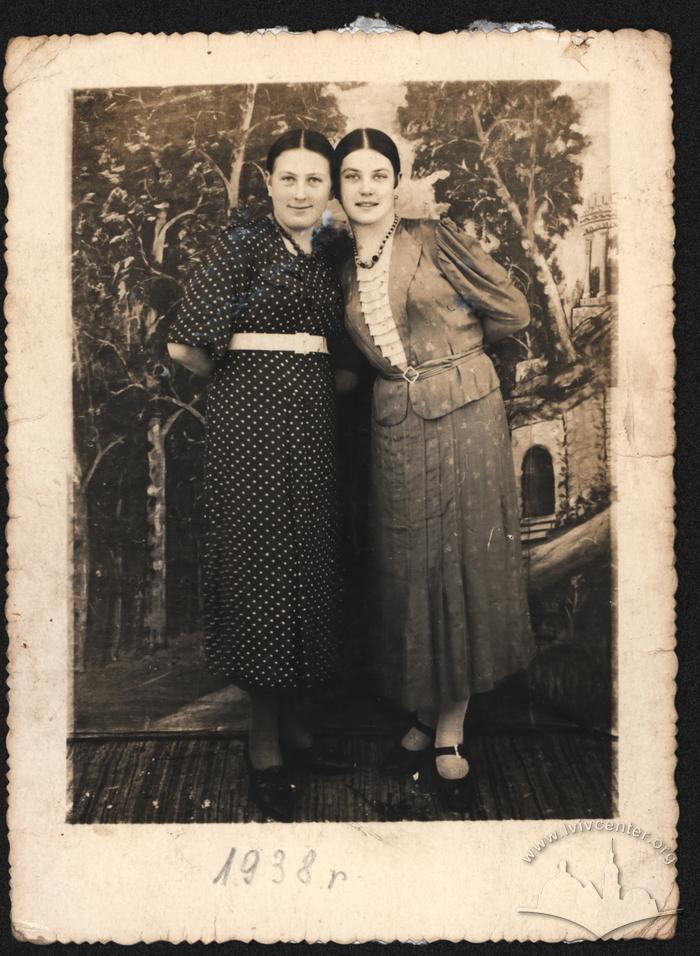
x=481, y=281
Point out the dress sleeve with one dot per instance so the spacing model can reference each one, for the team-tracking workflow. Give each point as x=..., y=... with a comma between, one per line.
x=481, y=282
x=214, y=293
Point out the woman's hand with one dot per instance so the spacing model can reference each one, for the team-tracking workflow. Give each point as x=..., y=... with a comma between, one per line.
x=196, y=360
x=345, y=381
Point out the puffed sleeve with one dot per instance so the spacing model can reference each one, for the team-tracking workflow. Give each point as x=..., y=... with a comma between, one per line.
x=214, y=294
x=481, y=282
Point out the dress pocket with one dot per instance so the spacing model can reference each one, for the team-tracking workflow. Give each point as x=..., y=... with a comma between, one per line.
x=389, y=401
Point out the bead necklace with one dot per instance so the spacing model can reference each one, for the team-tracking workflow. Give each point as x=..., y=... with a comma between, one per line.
x=361, y=263
x=290, y=238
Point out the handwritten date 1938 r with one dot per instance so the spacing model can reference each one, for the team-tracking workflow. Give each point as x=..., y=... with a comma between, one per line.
x=281, y=869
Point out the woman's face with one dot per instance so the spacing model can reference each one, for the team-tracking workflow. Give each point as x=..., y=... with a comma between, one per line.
x=367, y=186
x=300, y=187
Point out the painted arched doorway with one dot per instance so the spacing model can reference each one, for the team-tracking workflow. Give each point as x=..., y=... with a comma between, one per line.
x=537, y=483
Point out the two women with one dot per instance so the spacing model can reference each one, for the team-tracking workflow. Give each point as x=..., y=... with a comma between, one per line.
x=421, y=299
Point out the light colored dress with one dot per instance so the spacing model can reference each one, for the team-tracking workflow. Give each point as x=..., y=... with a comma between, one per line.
x=447, y=585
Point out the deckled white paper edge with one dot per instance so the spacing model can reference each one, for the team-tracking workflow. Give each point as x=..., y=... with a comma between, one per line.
x=404, y=880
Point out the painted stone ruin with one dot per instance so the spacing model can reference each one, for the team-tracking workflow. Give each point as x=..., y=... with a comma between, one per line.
x=559, y=444
x=558, y=419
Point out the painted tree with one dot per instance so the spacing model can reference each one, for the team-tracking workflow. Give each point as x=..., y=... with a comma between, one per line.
x=513, y=155
x=232, y=131
x=124, y=288
x=157, y=173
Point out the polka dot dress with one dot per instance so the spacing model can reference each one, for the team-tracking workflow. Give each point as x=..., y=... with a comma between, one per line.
x=271, y=548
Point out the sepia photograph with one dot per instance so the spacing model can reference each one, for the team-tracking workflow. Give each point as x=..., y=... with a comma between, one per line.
x=365, y=575
x=340, y=465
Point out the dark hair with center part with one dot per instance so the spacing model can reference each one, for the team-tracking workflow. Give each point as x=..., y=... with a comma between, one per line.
x=299, y=139
x=367, y=138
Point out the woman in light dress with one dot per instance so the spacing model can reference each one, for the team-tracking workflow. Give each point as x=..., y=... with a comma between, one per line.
x=450, y=614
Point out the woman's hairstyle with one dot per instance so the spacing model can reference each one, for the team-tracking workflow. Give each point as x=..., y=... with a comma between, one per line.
x=299, y=139
x=365, y=139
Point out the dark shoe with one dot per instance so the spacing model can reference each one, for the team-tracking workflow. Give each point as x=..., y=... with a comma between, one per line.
x=454, y=795
x=272, y=790
x=317, y=759
x=400, y=761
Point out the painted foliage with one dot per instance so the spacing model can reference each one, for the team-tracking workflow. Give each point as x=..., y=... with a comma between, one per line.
x=158, y=172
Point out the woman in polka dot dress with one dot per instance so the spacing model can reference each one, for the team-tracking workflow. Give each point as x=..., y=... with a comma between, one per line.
x=255, y=319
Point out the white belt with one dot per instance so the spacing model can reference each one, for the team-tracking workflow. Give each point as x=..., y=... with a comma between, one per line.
x=272, y=342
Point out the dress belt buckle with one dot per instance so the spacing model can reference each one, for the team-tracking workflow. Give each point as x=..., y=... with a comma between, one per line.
x=411, y=375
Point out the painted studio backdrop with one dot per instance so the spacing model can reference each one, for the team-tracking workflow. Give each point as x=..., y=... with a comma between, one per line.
x=156, y=174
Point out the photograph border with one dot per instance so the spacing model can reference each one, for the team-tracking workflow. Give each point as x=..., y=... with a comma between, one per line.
x=648, y=454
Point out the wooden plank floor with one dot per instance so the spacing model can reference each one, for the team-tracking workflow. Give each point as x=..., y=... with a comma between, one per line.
x=544, y=774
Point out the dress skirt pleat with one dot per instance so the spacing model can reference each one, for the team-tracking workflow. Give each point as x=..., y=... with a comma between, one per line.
x=448, y=588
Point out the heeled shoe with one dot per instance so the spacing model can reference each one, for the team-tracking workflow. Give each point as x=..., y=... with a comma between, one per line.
x=400, y=761
x=454, y=795
x=272, y=790
x=318, y=759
